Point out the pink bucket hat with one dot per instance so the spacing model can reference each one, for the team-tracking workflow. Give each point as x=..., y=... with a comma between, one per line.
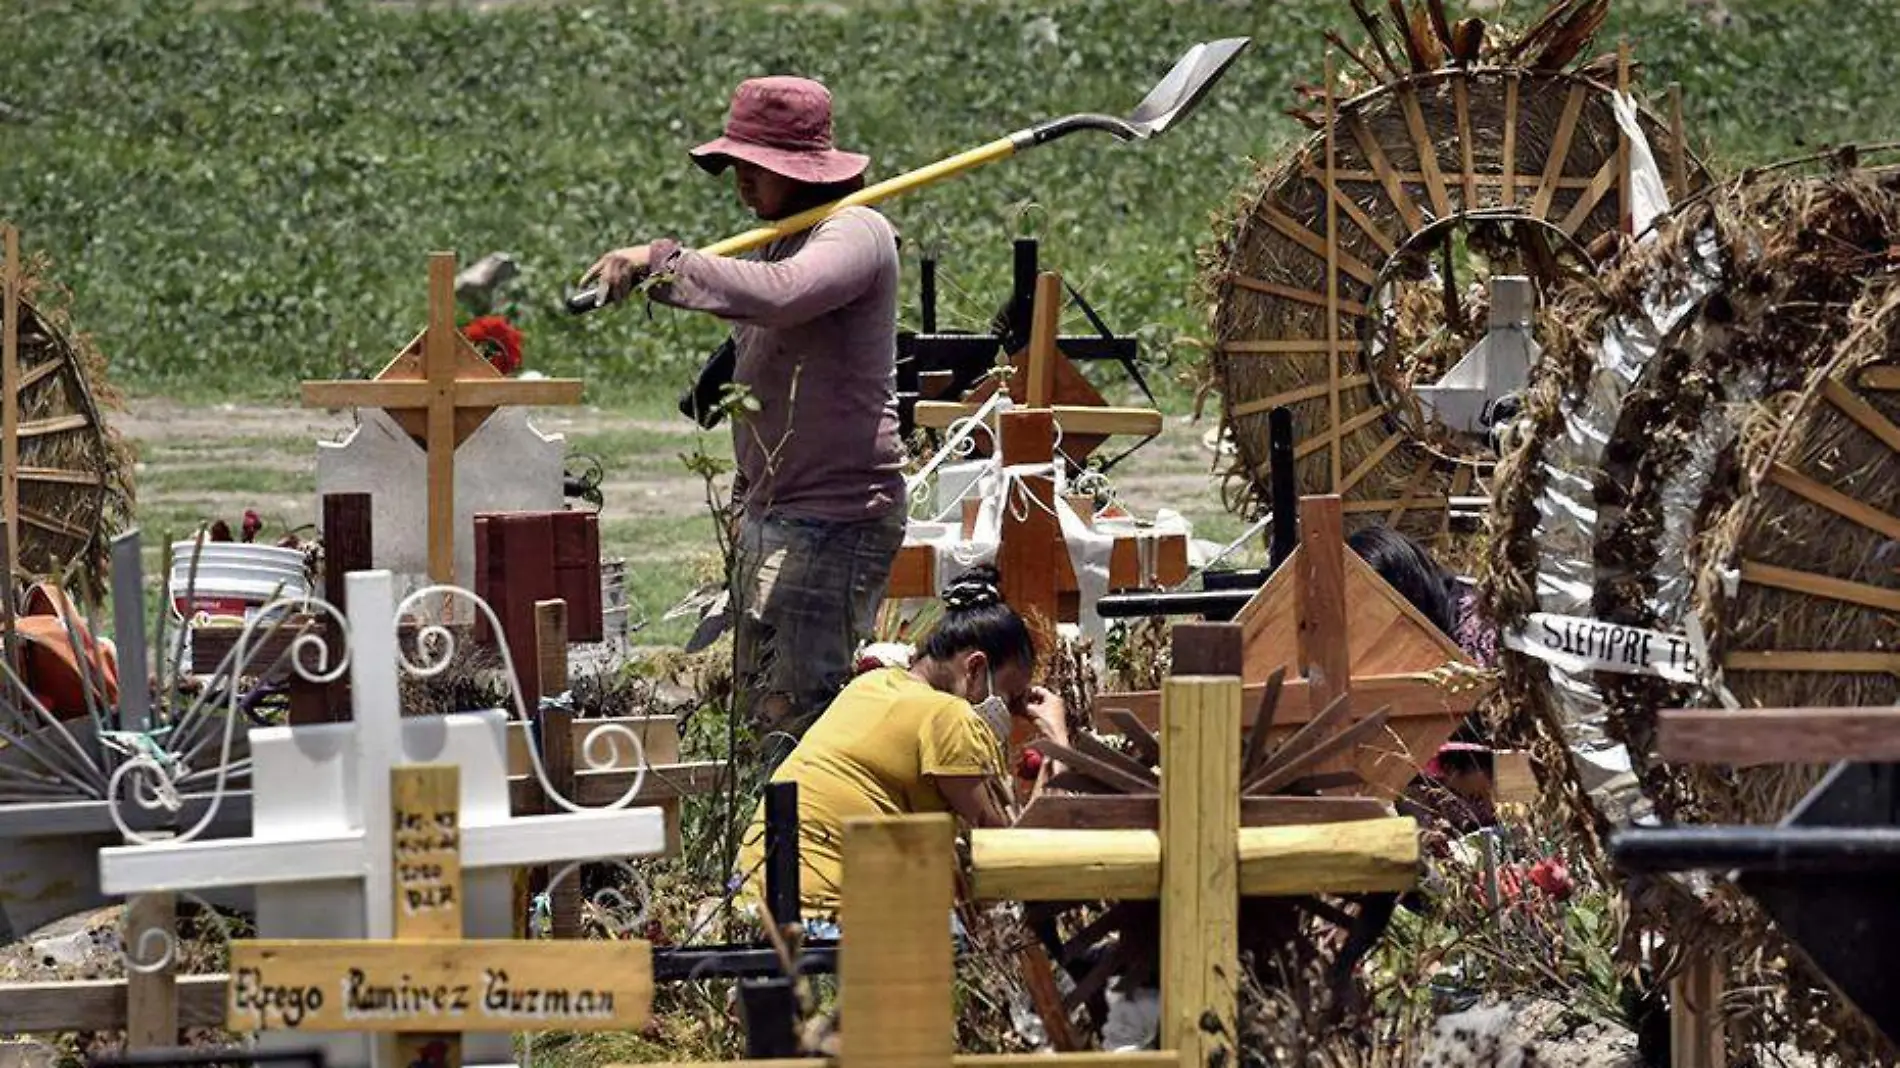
x=783, y=124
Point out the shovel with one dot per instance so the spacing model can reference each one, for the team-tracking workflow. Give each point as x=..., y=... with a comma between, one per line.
x=1166, y=104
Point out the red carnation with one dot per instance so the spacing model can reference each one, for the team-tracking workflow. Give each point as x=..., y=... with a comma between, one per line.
x=1029, y=765
x=1552, y=878
x=252, y=524
x=498, y=340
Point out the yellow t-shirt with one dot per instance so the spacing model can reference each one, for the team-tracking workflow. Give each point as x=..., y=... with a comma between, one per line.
x=871, y=753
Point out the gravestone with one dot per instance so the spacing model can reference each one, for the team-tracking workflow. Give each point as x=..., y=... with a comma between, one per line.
x=505, y=465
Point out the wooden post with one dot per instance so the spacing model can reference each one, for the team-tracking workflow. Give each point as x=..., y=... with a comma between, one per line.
x=1325, y=656
x=10, y=405
x=1030, y=555
x=1625, y=210
x=151, y=997
x=425, y=814
x=438, y=362
x=557, y=747
x=1332, y=286
x=1697, y=1036
x=1044, y=324
x=1679, y=146
x=347, y=545
x=1200, y=822
x=894, y=986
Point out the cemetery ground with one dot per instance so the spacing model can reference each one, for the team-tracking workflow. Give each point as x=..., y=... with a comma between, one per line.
x=203, y=461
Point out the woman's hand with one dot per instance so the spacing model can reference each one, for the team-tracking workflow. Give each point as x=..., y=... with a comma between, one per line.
x=1046, y=711
x=618, y=270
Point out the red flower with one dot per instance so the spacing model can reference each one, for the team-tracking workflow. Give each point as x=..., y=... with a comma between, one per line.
x=252, y=524
x=1029, y=765
x=498, y=340
x=1553, y=878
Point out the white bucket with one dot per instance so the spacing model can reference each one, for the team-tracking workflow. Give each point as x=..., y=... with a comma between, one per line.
x=232, y=579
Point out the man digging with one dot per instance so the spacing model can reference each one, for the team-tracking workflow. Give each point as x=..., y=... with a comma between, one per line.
x=819, y=489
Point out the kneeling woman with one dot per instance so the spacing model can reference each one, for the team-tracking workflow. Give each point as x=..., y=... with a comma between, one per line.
x=927, y=738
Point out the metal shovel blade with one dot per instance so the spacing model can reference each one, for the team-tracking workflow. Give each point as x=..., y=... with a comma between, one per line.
x=1184, y=86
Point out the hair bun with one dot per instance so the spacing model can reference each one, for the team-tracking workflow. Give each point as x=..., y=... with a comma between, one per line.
x=973, y=589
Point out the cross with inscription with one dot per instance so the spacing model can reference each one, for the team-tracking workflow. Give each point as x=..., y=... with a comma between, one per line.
x=321, y=849
x=428, y=985
x=440, y=390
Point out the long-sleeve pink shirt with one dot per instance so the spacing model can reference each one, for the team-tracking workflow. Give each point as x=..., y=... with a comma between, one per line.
x=815, y=327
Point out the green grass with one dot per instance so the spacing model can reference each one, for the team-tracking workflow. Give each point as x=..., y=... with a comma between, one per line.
x=241, y=195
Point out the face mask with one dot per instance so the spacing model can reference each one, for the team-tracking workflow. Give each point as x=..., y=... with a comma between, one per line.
x=994, y=711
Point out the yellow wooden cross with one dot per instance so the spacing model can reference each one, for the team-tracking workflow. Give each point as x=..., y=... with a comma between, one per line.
x=896, y=965
x=428, y=986
x=440, y=390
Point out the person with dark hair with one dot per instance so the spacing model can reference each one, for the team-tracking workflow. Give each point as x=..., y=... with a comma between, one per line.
x=1453, y=789
x=1408, y=568
x=927, y=738
x=819, y=489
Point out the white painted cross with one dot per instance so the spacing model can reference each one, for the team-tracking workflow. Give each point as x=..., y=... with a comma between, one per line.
x=319, y=851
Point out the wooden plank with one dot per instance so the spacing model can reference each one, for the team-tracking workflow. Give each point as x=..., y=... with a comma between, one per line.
x=1862, y=413
x=1883, y=377
x=60, y=476
x=1849, y=508
x=1817, y=661
x=1405, y=499
x=58, y=424
x=558, y=743
x=1559, y=152
x=1372, y=461
x=415, y=986
x=1362, y=856
x=1032, y=552
x=1200, y=823
x=1599, y=187
x=10, y=425
x=1461, y=103
x=1409, y=694
x=1826, y=586
x=411, y=394
x=1319, y=601
x=1679, y=144
x=1382, y=169
x=1755, y=736
x=425, y=804
x=1332, y=387
x=1090, y=812
x=1286, y=347
x=1624, y=209
x=897, y=974
x=1696, y=1031
x=151, y=1003
x=32, y=375
x=937, y=415
x=663, y=782
x=1366, y=223
x=1346, y=741
x=438, y=357
x=1294, y=293
x=1346, y=176
x=1045, y=322
x=1315, y=243
x=102, y=1004
x=1427, y=152
x=1332, y=284
x=1363, y=419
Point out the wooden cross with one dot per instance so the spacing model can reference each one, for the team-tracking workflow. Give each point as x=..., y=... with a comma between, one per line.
x=10, y=409
x=896, y=962
x=1038, y=578
x=428, y=985
x=1350, y=634
x=440, y=389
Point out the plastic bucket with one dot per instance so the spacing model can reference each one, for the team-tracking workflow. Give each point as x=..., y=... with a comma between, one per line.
x=228, y=579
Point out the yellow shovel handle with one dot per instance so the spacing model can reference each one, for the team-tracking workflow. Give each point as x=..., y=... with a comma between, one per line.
x=1001, y=148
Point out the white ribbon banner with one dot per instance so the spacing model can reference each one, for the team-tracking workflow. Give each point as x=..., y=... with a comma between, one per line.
x=1577, y=644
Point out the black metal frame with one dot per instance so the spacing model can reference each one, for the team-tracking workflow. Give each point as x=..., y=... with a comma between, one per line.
x=1829, y=876
x=969, y=357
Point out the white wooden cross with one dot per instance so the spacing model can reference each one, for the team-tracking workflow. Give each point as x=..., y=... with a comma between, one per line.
x=319, y=852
